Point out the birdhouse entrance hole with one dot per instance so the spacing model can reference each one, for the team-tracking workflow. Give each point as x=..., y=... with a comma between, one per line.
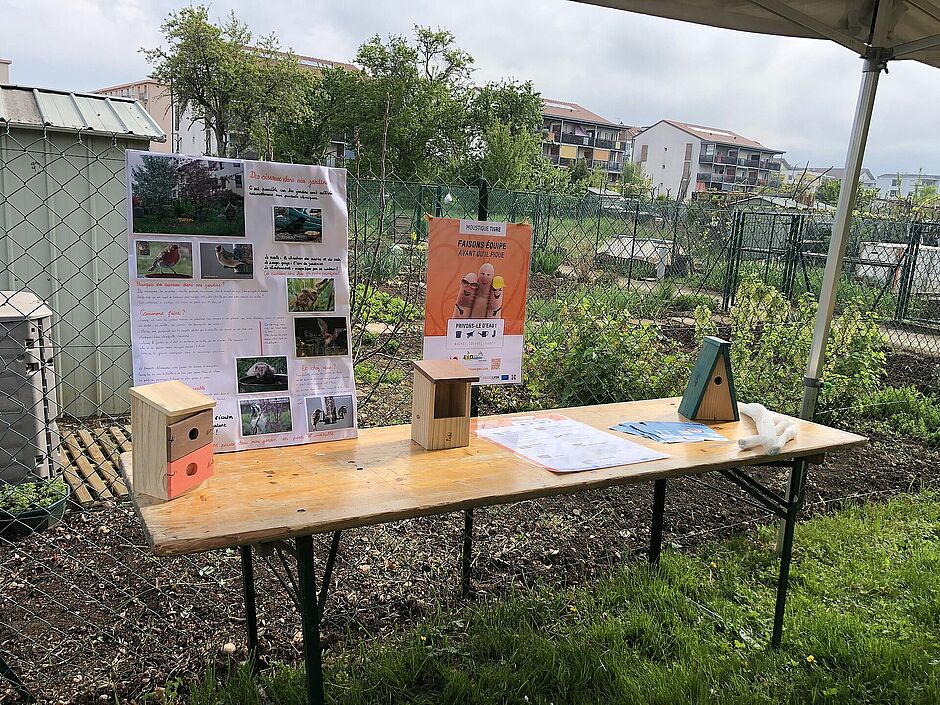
x=450, y=400
x=191, y=469
x=193, y=434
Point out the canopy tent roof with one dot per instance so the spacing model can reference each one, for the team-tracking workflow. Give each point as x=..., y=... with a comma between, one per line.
x=910, y=29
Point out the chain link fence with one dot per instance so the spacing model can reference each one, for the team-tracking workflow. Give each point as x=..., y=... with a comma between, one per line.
x=621, y=290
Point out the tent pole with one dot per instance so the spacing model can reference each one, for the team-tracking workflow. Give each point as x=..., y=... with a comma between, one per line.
x=875, y=62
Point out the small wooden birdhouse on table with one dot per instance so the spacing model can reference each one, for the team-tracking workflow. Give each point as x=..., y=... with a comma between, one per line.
x=710, y=394
x=440, y=410
x=172, y=429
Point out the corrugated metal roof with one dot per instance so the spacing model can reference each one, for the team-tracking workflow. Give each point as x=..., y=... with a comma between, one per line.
x=41, y=108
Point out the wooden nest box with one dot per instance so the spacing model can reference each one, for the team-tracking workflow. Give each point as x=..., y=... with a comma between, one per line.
x=172, y=429
x=440, y=410
x=710, y=394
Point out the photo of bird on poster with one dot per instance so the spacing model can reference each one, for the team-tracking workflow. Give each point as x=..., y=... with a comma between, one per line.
x=226, y=260
x=164, y=260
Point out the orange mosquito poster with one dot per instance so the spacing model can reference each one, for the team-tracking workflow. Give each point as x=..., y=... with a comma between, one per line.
x=478, y=273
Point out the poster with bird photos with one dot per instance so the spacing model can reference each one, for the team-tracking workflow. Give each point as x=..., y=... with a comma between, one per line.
x=239, y=288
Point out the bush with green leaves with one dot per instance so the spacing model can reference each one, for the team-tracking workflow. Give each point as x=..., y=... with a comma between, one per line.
x=587, y=356
x=27, y=496
x=907, y=410
x=381, y=262
x=545, y=261
x=375, y=306
x=770, y=343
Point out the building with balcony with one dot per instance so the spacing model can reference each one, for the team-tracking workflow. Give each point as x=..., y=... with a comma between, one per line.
x=902, y=185
x=681, y=158
x=572, y=133
x=819, y=174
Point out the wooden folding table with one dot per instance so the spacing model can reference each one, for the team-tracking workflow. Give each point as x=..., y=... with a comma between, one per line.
x=293, y=492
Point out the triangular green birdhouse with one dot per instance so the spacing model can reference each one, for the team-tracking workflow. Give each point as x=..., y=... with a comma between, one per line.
x=710, y=395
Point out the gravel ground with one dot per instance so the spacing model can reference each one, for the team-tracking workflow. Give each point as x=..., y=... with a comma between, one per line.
x=86, y=613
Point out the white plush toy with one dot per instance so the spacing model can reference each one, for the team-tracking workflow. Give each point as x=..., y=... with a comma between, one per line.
x=773, y=430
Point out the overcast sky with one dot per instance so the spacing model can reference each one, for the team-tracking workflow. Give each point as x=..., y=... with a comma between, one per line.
x=790, y=94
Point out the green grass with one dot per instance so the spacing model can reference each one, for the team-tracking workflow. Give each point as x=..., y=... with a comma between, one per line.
x=863, y=626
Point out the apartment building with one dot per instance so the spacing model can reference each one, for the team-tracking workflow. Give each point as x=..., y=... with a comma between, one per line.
x=902, y=185
x=185, y=133
x=571, y=133
x=681, y=158
x=820, y=174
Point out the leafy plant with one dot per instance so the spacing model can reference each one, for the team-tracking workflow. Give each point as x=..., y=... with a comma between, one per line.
x=908, y=411
x=591, y=357
x=379, y=306
x=369, y=374
x=382, y=264
x=26, y=496
x=546, y=261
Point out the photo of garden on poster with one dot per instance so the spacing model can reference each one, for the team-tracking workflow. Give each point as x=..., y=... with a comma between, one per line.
x=452, y=255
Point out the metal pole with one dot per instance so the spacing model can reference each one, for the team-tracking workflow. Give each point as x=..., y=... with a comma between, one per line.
x=251, y=610
x=310, y=621
x=873, y=67
x=656, y=530
x=466, y=556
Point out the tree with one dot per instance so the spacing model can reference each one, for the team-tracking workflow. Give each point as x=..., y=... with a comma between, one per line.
x=154, y=180
x=828, y=191
x=197, y=186
x=237, y=89
x=422, y=85
x=632, y=181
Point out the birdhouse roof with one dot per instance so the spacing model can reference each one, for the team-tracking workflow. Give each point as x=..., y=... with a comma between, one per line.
x=172, y=398
x=445, y=371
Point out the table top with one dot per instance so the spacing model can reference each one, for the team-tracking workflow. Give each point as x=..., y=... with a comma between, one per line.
x=382, y=476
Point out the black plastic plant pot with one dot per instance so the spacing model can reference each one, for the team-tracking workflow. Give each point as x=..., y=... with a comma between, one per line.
x=33, y=520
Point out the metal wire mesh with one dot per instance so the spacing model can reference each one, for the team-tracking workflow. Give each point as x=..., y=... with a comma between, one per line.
x=621, y=290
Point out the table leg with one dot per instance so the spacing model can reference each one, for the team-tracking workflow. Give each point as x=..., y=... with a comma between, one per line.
x=794, y=503
x=7, y=672
x=251, y=611
x=310, y=620
x=328, y=573
x=467, y=553
x=656, y=530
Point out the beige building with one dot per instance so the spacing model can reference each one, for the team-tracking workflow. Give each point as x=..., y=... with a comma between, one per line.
x=5, y=71
x=185, y=133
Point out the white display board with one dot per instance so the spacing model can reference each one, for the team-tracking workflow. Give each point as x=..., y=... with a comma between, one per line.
x=239, y=287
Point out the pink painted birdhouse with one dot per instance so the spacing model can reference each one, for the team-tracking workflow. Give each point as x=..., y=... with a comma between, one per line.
x=172, y=429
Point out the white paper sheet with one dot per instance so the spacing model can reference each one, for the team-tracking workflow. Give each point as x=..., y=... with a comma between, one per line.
x=561, y=444
x=252, y=305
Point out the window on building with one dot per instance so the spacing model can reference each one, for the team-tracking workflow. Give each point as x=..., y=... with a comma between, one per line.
x=688, y=151
x=644, y=152
x=894, y=182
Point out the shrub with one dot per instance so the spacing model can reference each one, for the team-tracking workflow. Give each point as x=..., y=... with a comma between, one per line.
x=378, y=306
x=908, y=411
x=380, y=264
x=547, y=261
x=770, y=346
x=590, y=357
x=370, y=374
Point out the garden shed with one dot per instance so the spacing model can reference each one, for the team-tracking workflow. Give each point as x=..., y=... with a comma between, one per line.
x=63, y=230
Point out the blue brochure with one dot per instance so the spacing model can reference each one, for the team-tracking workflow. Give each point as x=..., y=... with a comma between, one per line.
x=670, y=431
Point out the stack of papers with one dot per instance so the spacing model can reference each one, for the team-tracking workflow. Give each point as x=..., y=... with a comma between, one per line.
x=670, y=431
x=562, y=444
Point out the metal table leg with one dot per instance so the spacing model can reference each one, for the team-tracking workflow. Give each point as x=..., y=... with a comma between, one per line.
x=310, y=620
x=467, y=554
x=656, y=530
x=794, y=503
x=7, y=672
x=251, y=611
